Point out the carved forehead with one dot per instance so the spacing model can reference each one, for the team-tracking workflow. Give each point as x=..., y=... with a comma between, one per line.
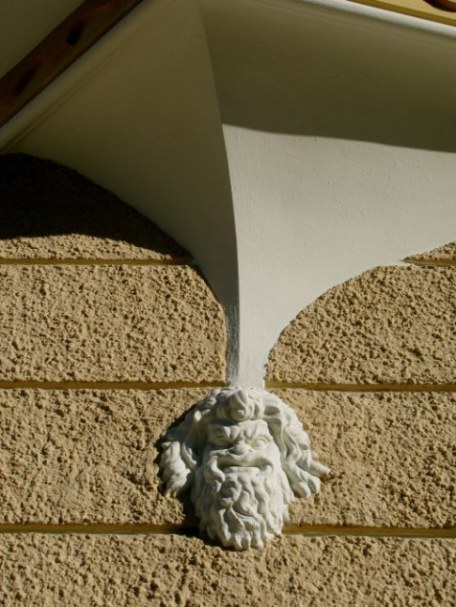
x=254, y=427
x=238, y=405
x=246, y=429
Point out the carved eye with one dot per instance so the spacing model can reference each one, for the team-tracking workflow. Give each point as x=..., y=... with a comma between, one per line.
x=260, y=442
x=220, y=440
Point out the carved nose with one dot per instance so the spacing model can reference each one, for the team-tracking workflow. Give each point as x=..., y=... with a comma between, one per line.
x=240, y=448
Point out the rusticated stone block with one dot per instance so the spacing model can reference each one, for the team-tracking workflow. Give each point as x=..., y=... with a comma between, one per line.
x=445, y=253
x=90, y=456
x=392, y=457
x=389, y=325
x=167, y=571
x=81, y=456
x=109, y=323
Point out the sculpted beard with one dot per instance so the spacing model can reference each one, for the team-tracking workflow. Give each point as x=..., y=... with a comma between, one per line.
x=242, y=506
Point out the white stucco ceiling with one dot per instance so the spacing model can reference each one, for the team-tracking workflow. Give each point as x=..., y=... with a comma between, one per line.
x=24, y=23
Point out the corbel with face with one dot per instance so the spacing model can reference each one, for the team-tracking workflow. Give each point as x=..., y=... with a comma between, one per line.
x=243, y=454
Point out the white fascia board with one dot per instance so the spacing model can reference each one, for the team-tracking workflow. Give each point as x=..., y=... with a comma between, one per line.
x=340, y=9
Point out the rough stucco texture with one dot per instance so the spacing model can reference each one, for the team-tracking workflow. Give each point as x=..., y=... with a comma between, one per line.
x=176, y=571
x=86, y=456
x=391, y=324
x=392, y=458
x=89, y=456
x=109, y=323
x=49, y=211
x=445, y=253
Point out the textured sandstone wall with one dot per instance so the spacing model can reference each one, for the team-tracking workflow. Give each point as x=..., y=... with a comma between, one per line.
x=109, y=335
x=139, y=571
x=444, y=254
x=389, y=325
x=370, y=369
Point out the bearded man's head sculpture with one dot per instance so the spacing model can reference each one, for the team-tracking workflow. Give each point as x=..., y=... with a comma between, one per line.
x=243, y=454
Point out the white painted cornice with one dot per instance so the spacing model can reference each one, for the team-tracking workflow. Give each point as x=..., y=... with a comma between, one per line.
x=140, y=19
x=345, y=9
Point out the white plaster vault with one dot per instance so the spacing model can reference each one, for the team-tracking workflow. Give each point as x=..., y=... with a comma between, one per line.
x=289, y=145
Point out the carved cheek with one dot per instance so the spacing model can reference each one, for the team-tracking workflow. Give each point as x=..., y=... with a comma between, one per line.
x=272, y=453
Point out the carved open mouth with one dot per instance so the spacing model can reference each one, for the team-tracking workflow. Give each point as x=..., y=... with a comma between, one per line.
x=235, y=464
x=250, y=469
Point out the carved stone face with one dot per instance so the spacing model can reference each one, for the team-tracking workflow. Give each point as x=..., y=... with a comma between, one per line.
x=244, y=454
x=241, y=493
x=243, y=443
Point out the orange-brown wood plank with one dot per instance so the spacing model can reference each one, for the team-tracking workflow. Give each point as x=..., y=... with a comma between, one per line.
x=66, y=43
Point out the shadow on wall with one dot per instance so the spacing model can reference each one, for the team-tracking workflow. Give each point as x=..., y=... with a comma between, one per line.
x=40, y=198
x=300, y=69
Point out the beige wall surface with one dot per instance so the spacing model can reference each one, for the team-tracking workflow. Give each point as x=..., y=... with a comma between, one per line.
x=92, y=452
x=109, y=335
x=389, y=325
x=83, y=518
x=160, y=571
x=110, y=323
x=387, y=468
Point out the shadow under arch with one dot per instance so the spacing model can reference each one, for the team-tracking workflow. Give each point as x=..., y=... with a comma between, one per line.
x=40, y=198
x=120, y=325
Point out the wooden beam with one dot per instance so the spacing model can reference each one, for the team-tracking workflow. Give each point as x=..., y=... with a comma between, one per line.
x=62, y=47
